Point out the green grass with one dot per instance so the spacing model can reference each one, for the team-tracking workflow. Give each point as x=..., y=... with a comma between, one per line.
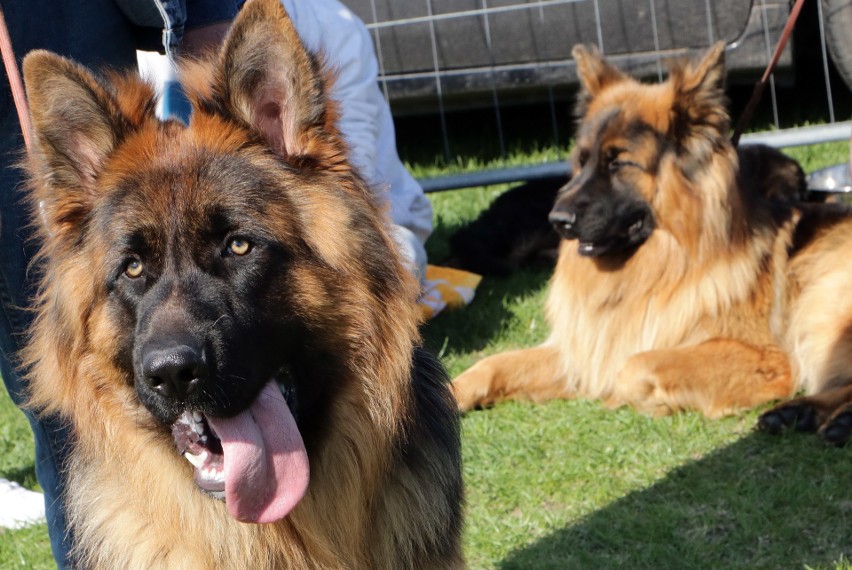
x=570, y=484
x=26, y=548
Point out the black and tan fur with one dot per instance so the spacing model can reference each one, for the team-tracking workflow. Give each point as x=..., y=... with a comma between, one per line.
x=677, y=285
x=138, y=219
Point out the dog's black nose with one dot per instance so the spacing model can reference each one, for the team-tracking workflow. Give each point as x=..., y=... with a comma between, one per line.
x=174, y=372
x=563, y=222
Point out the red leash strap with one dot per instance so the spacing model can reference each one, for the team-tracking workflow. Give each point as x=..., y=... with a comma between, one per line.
x=761, y=85
x=15, y=82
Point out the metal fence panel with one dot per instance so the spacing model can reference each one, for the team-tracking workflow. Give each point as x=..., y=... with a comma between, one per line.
x=437, y=56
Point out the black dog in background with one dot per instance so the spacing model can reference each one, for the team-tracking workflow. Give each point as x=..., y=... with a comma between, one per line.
x=514, y=232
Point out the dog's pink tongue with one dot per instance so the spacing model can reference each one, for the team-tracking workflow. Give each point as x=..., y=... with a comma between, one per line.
x=266, y=465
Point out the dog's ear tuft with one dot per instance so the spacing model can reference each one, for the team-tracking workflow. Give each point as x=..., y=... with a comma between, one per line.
x=700, y=89
x=77, y=124
x=593, y=71
x=267, y=79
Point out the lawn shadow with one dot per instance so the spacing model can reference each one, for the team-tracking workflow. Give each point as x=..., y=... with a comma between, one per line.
x=472, y=327
x=762, y=502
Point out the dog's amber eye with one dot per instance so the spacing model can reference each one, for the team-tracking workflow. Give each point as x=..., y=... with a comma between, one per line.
x=134, y=269
x=239, y=246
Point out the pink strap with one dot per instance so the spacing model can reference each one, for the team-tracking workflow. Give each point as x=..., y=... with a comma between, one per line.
x=15, y=82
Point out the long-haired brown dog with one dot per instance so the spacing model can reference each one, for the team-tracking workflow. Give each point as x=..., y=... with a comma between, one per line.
x=228, y=291
x=676, y=286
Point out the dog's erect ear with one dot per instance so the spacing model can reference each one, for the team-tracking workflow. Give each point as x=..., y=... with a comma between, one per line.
x=267, y=79
x=705, y=75
x=77, y=123
x=700, y=88
x=593, y=71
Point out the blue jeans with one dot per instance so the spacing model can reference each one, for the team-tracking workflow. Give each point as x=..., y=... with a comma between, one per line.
x=95, y=33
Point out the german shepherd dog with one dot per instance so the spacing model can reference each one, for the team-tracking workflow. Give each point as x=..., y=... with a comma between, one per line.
x=678, y=287
x=227, y=291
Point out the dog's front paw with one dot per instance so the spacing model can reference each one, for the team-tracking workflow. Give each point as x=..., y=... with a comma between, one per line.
x=472, y=389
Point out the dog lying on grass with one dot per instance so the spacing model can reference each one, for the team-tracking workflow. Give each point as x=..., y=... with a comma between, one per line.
x=678, y=285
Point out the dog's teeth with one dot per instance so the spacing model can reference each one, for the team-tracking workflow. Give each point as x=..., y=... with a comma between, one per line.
x=197, y=416
x=198, y=428
x=213, y=475
x=196, y=460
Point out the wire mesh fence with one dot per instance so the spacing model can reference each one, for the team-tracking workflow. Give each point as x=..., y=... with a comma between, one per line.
x=439, y=56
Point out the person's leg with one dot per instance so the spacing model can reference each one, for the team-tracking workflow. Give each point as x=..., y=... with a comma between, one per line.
x=94, y=33
x=16, y=288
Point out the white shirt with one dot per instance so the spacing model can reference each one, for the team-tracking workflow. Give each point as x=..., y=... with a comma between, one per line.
x=329, y=28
